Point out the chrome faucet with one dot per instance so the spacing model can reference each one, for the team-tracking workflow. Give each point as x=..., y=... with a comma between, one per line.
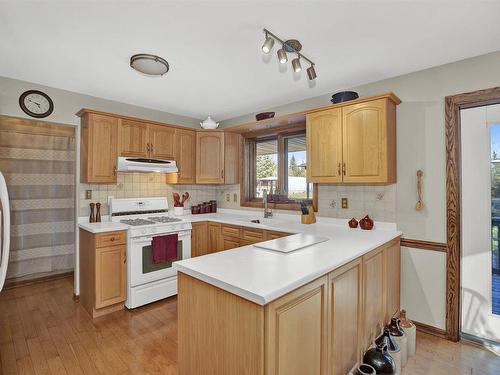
x=267, y=211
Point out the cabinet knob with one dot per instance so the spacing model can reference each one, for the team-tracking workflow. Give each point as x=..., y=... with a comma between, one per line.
x=114, y=170
x=222, y=173
x=343, y=169
x=147, y=147
x=112, y=239
x=338, y=169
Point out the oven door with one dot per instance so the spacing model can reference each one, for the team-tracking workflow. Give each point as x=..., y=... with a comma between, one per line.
x=141, y=266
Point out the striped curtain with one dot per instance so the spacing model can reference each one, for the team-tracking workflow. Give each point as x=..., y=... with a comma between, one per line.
x=38, y=162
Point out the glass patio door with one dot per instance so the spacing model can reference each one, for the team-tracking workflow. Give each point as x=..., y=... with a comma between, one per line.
x=480, y=154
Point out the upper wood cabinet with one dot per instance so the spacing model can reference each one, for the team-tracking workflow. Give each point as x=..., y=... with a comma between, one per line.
x=161, y=141
x=353, y=143
x=210, y=157
x=133, y=138
x=217, y=157
x=185, y=156
x=98, y=151
x=324, y=146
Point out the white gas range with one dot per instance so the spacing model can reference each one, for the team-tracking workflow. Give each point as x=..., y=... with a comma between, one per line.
x=148, y=218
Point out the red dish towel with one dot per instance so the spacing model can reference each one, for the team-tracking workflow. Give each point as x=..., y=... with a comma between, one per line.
x=164, y=248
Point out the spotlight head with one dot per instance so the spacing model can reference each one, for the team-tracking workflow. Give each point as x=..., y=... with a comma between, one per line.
x=296, y=65
x=282, y=57
x=268, y=44
x=311, y=73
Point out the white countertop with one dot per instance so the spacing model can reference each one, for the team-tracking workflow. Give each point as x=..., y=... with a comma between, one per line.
x=103, y=226
x=261, y=275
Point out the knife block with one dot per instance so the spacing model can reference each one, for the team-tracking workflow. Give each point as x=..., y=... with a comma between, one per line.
x=310, y=218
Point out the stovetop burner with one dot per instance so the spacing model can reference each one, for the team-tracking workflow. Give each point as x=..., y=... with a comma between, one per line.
x=136, y=222
x=164, y=219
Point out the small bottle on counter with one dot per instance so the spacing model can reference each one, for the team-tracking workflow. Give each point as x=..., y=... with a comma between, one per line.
x=92, y=214
x=98, y=212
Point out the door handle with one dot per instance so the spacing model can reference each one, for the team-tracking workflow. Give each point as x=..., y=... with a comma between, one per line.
x=148, y=148
x=338, y=169
x=222, y=173
x=343, y=169
x=125, y=256
x=114, y=170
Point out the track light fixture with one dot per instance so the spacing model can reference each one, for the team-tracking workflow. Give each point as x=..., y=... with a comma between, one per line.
x=268, y=44
x=290, y=46
x=282, y=57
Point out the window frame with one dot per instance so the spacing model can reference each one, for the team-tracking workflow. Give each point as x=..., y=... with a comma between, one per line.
x=247, y=189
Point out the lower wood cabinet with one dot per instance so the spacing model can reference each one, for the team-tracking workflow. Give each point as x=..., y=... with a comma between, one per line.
x=215, y=240
x=321, y=328
x=103, y=271
x=295, y=339
x=199, y=239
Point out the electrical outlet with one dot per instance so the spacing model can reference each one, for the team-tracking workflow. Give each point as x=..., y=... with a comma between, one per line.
x=88, y=194
x=345, y=203
x=228, y=197
x=235, y=197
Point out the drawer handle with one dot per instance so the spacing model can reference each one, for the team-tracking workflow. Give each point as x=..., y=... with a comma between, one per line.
x=343, y=169
x=338, y=169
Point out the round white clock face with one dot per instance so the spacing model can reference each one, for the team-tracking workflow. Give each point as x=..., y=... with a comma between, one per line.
x=36, y=103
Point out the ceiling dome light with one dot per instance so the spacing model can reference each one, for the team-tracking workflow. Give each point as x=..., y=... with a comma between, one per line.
x=296, y=65
x=149, y=64
x=311, y=73
x=282, y=57
x=268, y=44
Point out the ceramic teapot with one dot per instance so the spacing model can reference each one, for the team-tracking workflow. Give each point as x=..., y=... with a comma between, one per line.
x=209, y=123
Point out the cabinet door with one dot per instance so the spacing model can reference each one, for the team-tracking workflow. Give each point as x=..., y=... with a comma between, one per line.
x=215, y=243
x=344, y=318
x=392, y=272
x=232, y=158
x=133, y=138
x=185, y=156
x=209, y=157
x=296, y=331
x=161, y=142
x=324, y=146
x=110, y=275
x=272, y=235
x=365, y=142
x=373, y=304
x=99, y=149
x=199, y=239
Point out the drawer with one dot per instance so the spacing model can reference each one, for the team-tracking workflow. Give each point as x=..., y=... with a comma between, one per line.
x=251, y=234
x=248, y=242
x=231, y=243
x=272, y=235
x=111, y=239
x=230, y=230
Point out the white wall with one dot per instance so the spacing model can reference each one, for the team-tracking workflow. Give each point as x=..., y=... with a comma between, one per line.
x=421, y=145
x=67, y=103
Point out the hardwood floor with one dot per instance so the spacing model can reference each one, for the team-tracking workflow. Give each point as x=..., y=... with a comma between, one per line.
x=42, y=331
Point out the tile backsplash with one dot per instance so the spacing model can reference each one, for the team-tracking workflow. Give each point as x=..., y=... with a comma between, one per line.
x=378, y=201
x=134, y=185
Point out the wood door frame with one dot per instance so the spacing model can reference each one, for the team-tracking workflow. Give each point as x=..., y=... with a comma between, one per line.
x=453, y=105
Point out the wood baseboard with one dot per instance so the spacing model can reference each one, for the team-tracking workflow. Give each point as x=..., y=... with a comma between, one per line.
x=430, y=330
x=16, y=283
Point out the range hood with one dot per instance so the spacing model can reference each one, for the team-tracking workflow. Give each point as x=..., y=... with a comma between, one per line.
x=131, y=164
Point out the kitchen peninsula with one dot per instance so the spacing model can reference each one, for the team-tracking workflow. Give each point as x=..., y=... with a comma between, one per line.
x=254, y=311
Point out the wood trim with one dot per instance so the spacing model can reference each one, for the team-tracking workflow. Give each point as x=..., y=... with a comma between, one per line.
x=430, y=330
x=426, y=245
x=453, y=105
x=84, y=111
x=16, y=283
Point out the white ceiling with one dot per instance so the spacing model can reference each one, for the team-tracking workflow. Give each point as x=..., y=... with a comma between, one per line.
x=214, y=51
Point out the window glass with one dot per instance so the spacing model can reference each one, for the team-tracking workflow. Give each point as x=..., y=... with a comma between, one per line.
x=266, y=166
x=295, y=168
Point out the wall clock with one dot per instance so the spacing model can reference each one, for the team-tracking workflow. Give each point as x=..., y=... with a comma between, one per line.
x=36, y=103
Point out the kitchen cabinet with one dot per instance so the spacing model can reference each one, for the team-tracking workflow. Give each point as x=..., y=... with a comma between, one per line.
x=161, y=142
x=133, y=138
x=215, y=240
x=230, y=243
x=217, y=157
x=209, y=157
x=344, y=317
x=324, y=146
x=103, y=271
x=320, y=328
x=393, y=280
x=185, y=157
x=98, y=149
x=353, y=142
x=373, y=286
x=199, y=239
x=272, y=235
x=295, y=339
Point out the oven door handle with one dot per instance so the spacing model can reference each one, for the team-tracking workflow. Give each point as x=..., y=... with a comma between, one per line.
x=149, y=238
